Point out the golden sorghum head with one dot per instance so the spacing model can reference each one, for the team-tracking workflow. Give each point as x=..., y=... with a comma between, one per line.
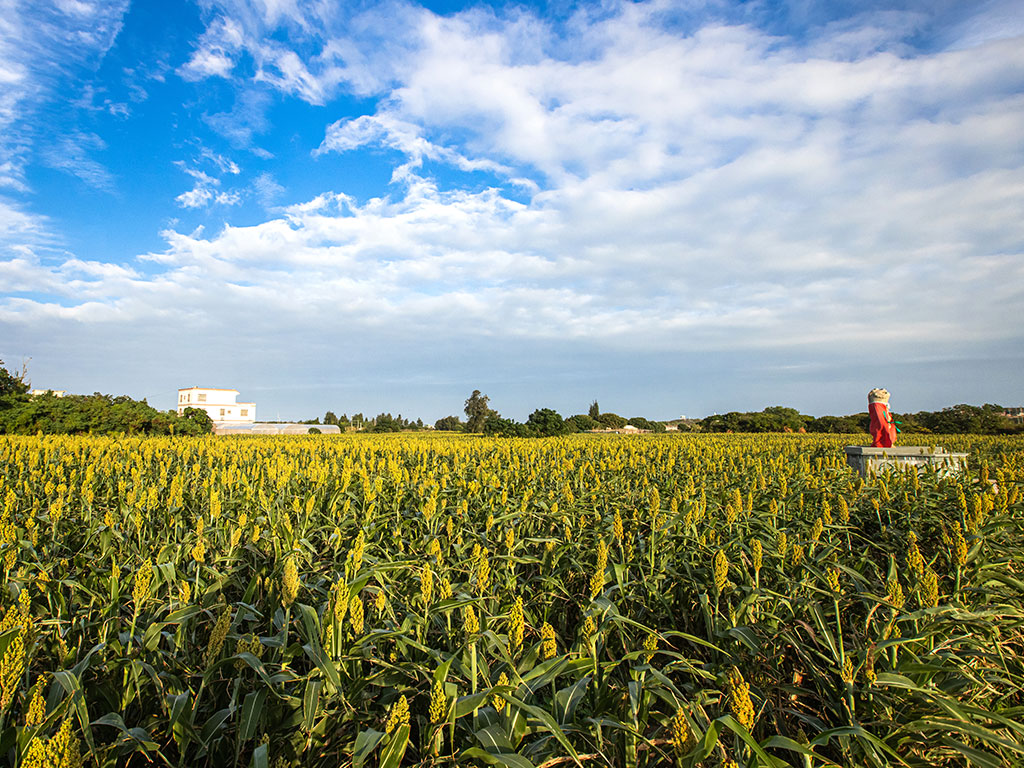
x=290, y=581
x=444, y=591
x=185, y=593
x=434, y=550
x=816, y=529
x=781, y=545
x=844, y=511
x=340, y=602
x=36, y=712
x=650, y=646
x=12, y=665
x=64, y=748
x=617, y=530
x=483, y=572
x=959, y=546
x=438, y=703
x=199, y=550
x=380, y=602
x=848, y=671
x=37, y=755
x=798, y=554
x=399, y=714
x=143, y=578
x=832, y=574
x=915, y=562
x=757, y=554
x=548, y=644
x=738, y=695
x=358, y=549
x=682, y=735
x=355, y=614
x=589, y=627
x=516, y=625
x=248, y=644
x=720, y=567
x=497, y=701
x=427, y=585
x=510, y=540
x=470, y=623
x=894, y=592
x=731, y=513
x=217, y=635
x=597, y=580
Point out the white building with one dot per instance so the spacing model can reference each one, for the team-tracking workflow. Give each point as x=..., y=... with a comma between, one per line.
x=218, y=403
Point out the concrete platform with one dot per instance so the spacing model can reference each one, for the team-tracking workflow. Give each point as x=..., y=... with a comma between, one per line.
x=875, y=460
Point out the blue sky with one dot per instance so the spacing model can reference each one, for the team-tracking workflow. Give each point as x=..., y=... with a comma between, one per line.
x=672, y=207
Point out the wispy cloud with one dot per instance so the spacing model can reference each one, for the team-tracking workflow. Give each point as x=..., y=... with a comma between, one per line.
x=74, y=154
x=205, y=189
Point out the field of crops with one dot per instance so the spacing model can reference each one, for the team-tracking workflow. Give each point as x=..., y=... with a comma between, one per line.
x=619, y=601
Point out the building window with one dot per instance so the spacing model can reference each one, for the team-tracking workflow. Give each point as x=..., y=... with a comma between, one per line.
x=202, y=398
x=245, y=412
x=221, y=411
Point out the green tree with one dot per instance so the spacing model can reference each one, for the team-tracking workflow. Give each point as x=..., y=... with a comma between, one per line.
x=595, y=410
x=385, y=422
x=448, y=424
x=194, y=421
x=545, y=422
x=330, y=418
x=581, y=422
x=477, y=411
x=11, y=386
x=612, y=420
x=495, y=426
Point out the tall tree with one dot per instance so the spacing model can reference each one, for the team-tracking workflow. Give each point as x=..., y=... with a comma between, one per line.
x=595, y=410
x=11, y=384
x=476, y=411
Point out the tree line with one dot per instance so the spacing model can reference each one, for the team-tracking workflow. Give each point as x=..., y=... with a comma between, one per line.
x=988, y=419
x=106, y=414
x=95, y=414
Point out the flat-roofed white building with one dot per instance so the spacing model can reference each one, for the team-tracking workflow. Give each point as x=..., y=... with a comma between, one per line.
x=220, y=404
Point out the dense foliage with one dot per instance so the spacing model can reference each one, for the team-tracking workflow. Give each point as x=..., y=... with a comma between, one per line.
x=397, y=600
x=98, y=415
x=958, y=419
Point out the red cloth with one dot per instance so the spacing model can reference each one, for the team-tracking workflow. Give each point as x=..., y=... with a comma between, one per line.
x=883, y=431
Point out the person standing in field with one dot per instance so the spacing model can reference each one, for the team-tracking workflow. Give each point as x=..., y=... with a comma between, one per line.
x=882, y=428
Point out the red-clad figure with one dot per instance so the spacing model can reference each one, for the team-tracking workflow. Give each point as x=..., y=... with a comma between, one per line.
x=883, y=428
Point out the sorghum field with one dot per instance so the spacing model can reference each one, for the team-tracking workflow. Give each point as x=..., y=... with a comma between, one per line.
x=621, y=601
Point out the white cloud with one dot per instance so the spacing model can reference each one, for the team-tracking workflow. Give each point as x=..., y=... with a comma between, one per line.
x=197, y=197
x=267, y=189
x=39, y=44
x=73, y=154
x=215, y=54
